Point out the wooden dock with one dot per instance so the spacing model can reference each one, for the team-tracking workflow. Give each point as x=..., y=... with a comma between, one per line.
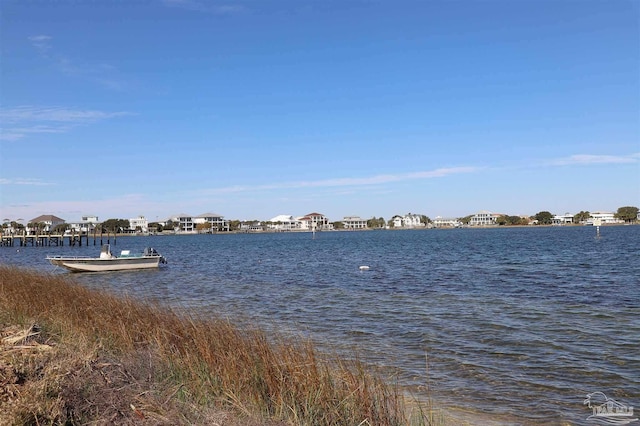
x=53, y=240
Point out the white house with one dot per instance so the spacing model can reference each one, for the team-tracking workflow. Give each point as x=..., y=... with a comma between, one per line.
x=314, y=221
x=407, y=221
x=86, y=224
x=603, y=218
x=354, y=222
x=50, y=221
x=563, y=219
x=139, y=223
x=484, y=218
x=217, y=222
x=254, y=226
x=284, y=222
x=182, y=222
x=446, y=222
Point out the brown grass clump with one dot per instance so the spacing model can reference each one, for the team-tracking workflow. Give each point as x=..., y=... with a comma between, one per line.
x=85, y=356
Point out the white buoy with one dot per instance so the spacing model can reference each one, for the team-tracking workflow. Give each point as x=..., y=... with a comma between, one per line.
x=364, y=268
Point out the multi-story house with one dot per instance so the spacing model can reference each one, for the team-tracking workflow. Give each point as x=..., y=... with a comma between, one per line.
x=139, y=224
x=354, y=222
x=484, y=218
x=252, y=226
x=87, y=224
x=603, y=218
x=216, y=221
x=314, y=222
x=182, y=222
x=284, y=222
x=409, y=220
x=48, y=220
x=563, y=219
x=446, y=222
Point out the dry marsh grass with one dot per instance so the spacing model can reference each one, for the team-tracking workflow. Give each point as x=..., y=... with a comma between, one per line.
x=83, y=356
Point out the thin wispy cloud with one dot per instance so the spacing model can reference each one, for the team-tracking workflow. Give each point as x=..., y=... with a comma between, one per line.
x=588, y=159
x=106, y=75
x=41, y=43
x=348, y=182
x=354, y=182
x=205, y=6
x=21, y=121
x=56, y=114
x=17, y=133
x=24, y=181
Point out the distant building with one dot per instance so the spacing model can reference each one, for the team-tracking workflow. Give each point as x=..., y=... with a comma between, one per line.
x=564, y=219
x=87, y=224
x=484, y=218
x=446, y=222
x=603, y=218
x=407, y=221
x=182, y=222
x=354, y=222
x=50, y=221
x=140, y=224
x=284, y=223
x=216, y=221
x=185, y=223
x=252, y=226
x=314, y=221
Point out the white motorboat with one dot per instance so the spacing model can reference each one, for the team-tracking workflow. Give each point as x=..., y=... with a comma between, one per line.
x=107, y=261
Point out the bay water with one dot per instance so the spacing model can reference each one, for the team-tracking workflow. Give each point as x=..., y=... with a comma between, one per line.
x=510, y=325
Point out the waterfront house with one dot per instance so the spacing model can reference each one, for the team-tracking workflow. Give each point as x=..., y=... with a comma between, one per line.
x=314, y=221
x=216, y=221
x=446, y=222
x=139, y=224
x=50, y=221
x=354, y=222
x=484, y=218
x=182, y=222
x=603, y=218
x=87, y=224
x=407, y=221
x=252, y=226
x=284, y=222
x=564, y=219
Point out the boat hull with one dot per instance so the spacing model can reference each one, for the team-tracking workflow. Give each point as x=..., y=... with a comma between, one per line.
x=102, y=265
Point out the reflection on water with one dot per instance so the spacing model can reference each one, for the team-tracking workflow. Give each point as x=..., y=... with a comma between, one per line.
x=522, y=322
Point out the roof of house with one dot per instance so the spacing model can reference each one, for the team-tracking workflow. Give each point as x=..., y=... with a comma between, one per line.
x=208, y=215
x=47, y=218
x=179, y=215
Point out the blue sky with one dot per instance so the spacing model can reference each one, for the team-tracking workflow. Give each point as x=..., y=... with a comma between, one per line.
x=252, y=109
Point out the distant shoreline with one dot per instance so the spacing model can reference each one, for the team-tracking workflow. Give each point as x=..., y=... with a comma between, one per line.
x=271, y=231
